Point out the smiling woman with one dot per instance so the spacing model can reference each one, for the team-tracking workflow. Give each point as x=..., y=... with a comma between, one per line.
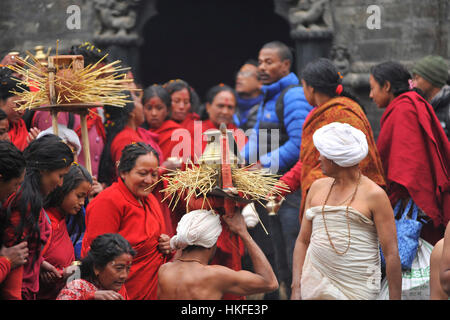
x=128, y=207
x=103, y=271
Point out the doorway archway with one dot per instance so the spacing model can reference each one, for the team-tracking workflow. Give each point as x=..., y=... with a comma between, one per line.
x=205, y=42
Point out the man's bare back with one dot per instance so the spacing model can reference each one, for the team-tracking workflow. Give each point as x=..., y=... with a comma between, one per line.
x=189, y=277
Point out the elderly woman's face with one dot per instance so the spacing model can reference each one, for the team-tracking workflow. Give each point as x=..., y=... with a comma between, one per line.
x=142, y=176
x=115, y=273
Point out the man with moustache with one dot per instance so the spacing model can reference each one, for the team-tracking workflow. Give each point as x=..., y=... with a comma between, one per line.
x=280, y=86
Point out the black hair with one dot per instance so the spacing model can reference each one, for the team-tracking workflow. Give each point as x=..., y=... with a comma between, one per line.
x=7, y=84
x=178, y=85
x=133, y=151
x=160, y=92
x=173, y=86
x=104, y=249
x=324, y=77
x=48, y=153
x=213, y=92
x=284, y=52
x=90, y=53
x=3, y=115
x=76, y=175
x=12, y=162
x=116, y=120
x=397, y=75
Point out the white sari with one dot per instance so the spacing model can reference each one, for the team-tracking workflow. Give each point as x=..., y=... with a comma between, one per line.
x=356, y=275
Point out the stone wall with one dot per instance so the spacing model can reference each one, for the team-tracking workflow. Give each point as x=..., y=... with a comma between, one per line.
x=25, y=24
x=409, y=30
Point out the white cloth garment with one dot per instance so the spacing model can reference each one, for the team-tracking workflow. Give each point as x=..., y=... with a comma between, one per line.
x=340, y=142
x=66, y=134
x=250, y=215
x=356, y=275
x=198, y=228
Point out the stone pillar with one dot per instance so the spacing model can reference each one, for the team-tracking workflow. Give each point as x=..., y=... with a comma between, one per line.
x=312, y=30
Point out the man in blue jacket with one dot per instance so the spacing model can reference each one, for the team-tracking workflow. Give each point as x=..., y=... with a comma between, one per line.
x=276, y=144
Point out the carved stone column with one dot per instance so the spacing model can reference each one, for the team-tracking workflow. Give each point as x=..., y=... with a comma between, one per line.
x=119, y=24
x=312, y=30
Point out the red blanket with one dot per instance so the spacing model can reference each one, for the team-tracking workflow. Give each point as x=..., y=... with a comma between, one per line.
x=416, y=155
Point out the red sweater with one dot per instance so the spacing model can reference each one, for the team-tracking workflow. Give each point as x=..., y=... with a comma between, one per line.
x=116, y=210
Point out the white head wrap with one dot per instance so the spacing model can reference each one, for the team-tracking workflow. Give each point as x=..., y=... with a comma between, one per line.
x=199, y=228
x=66, y=134
x=340, y=142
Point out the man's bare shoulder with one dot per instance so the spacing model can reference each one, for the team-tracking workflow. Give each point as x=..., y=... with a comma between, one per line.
x=372, y=190
x=320, y=183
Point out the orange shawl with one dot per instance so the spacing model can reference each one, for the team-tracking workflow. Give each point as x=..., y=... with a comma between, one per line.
x=338, y=109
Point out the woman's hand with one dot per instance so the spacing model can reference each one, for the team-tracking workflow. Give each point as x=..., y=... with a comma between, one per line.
x=107, y=295
x=48, y=273
x=17, y=255
x=164, y=244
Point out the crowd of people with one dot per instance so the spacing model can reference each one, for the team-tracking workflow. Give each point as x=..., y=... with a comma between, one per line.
x=70, y=234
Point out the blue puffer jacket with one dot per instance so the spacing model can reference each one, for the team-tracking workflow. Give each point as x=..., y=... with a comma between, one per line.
x=296, y=109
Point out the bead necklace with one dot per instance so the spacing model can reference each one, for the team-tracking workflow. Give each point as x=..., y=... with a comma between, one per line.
x=346, y=215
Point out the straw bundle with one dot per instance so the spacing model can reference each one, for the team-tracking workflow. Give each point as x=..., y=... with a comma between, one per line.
x=199, y=181
x=91, y=84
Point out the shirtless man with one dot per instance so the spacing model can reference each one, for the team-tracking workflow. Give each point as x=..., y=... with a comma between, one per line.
x=189, y=277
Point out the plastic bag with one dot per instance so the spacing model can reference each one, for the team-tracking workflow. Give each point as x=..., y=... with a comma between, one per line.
x=415, y=282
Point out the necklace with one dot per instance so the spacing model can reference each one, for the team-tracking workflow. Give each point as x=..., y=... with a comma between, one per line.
x=189, y=260
x=346, y=215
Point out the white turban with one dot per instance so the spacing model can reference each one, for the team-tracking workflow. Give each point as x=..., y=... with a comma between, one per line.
x=198, y=228
x=340, y=142
x=66, y=134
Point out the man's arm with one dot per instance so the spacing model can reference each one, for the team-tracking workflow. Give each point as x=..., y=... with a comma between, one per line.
x=244, y=282
x=383, y=217
x=444, y=273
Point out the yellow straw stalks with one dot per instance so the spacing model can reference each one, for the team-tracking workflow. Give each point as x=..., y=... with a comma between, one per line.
x=91, y=84
x=199, y=181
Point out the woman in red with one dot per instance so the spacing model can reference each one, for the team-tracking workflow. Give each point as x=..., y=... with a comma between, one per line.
x=18, y=132
x=48, y=159
x=220, y=107
x=64, y=202
x=413, y=147
x=128, y=207
x=103, y=271
x=122, y=128
x=182, y=98
x=157, y=110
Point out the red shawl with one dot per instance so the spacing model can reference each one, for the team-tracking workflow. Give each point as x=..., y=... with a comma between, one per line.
x=416, y=156
x=60, y=253
x=93, y=119
x=164, y=137
x=18, y=134
x=127, y=136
